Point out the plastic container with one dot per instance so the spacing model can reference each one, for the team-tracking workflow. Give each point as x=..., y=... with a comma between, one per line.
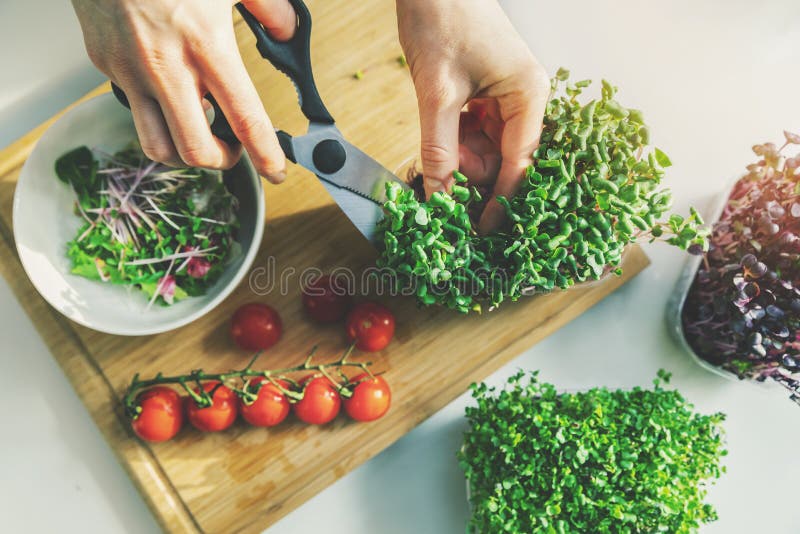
x=676, y=302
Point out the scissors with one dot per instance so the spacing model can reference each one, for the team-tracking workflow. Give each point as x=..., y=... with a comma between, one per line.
x=355, y=180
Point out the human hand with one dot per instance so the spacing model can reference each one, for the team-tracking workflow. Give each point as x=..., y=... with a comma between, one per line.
x=467, y=52
x=167, y=54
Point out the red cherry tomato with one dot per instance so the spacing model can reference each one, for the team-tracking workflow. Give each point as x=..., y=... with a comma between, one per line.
x=371, y=398
x=371, y=326
x=220, y=415
x=320, y=403
x=256, y=327
x=325, y=300
x=270, y=407
x=161, y=415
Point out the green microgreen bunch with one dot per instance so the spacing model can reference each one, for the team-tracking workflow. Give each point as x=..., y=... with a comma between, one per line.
x=168, y=232
x=601, y=461
x=593, y=189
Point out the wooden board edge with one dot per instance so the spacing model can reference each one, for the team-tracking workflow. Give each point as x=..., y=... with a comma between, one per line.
x=97, y=394
x=634, y=262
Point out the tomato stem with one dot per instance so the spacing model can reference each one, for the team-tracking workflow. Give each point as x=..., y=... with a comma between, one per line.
x=232, y=379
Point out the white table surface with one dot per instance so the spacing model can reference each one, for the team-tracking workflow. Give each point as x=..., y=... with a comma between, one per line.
x=713, y=77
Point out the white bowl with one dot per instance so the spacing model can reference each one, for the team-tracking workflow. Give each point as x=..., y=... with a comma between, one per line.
x=44, y=222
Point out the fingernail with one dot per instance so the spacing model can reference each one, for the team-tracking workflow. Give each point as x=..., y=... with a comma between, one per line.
x=277, y=178
x=432, y=185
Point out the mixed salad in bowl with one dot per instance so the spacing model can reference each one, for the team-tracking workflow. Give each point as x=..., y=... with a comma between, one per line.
x=165, y=231
x=118, y=243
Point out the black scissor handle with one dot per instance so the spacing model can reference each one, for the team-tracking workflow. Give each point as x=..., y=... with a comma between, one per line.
x=293, y=58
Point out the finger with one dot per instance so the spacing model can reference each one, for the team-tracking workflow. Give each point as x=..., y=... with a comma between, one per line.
x=229, y=82
x=492, y=217
x=520, y=137
x=481, y=169
x=523, y=126
x=186, y=119
x=277, y=16
x=439, y=148
x=154, y=137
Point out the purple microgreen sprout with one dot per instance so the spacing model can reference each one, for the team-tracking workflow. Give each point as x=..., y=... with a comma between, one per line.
x=742, y=312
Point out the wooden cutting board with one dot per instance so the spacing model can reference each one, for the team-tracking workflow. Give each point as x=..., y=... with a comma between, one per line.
x=246, y=479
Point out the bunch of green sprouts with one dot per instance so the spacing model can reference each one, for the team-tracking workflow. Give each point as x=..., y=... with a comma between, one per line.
x=593, y=189
x=600, y=461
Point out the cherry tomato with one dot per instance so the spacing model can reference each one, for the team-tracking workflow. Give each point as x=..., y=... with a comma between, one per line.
x=256, y=327
x=371, y=398
x=270, y=407
x=371, y=326
x=325, y=300
x=320, y=403
x=161, y=416
x=220, y=415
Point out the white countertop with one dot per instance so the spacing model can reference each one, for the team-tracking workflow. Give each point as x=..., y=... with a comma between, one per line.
x=713, y=78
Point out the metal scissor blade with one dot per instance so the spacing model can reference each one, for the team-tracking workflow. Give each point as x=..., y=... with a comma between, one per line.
x=359, y=186
x=365, y=214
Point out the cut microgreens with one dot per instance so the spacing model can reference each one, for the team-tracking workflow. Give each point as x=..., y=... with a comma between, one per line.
x=593, y=188
x=742, y=312
x=600, y=461
x=240, y=381
x=169, y=232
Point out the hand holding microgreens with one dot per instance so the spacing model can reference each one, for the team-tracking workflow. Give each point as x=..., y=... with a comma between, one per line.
x=593, y=189
x=742, y=312
x=169, y=232
x=600, y=461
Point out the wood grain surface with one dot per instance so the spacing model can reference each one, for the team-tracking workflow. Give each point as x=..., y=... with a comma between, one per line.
x=245, y=479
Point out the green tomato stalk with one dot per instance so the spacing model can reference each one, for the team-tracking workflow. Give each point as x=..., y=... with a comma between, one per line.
x=239, y=381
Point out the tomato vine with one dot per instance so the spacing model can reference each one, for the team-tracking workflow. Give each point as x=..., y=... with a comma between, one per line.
x=239, y=381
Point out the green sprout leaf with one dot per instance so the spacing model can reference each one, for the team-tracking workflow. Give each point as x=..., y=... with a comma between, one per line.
x=662, y=158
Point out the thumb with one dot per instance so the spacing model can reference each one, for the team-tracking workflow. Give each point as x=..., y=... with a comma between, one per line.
x=277, y=16
x=439, y=149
